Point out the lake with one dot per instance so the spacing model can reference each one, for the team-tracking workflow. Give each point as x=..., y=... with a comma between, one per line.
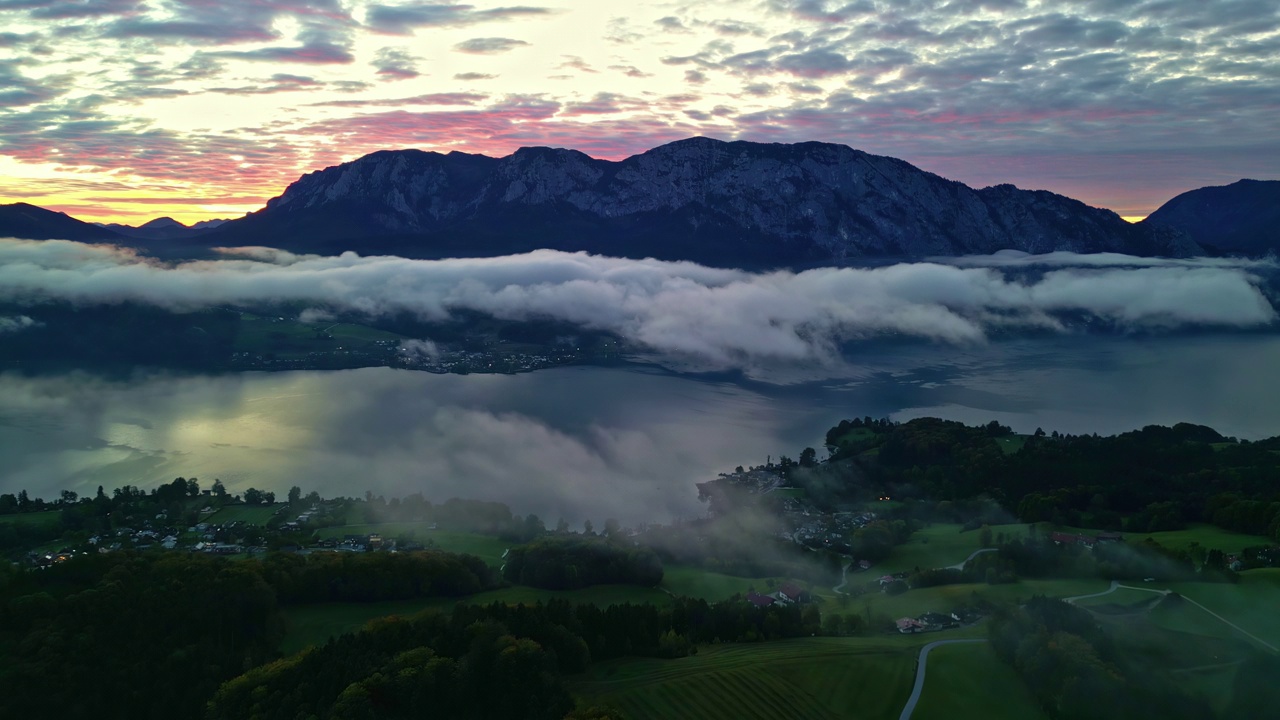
x=595, y=442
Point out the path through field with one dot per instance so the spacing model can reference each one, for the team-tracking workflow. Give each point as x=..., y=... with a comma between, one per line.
x=910, y=707
x=1115, y=585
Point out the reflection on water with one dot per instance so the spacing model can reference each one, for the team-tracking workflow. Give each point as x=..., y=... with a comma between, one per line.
x=626, y=442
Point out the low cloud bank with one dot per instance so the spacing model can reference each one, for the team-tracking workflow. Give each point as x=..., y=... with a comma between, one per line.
x=717, y=317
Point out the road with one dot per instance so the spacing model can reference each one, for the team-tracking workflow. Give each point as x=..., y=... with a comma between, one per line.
x=844, y=580
x=910, y=707
x=960, y=565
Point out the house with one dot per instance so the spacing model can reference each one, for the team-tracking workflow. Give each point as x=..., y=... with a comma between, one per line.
x=1071, y=539
x=906, y=626
x=759, y=600
x=793, y=593
x=1110, y=537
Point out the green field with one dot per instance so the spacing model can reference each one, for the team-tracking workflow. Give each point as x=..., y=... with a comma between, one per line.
x=938, y=545
x=969, y=681
x=1208, y=536
x=288, y=336
x=1012, y=443
x=485, y=547
x=1251, y=604
x=1123, y=599
x=307, y=625
x=789, y=492
x=694, y=582
x=946, y=598
x=815, y=678
x=252, y=514
x=47, y=518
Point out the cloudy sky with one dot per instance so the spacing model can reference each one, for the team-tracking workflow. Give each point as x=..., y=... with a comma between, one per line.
x=124, y=110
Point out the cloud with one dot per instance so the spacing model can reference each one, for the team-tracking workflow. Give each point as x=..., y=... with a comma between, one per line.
x=419, y=350
x=403, y=19
x=711, y=317
x=488, y=45
x=396, y=64
x=317, y=53
x=15, y=323
x=473, y=76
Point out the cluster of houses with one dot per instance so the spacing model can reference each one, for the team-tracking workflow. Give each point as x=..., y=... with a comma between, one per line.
x=933, y=622
x=824, y=531
x=1088, y=541
x=788, y=594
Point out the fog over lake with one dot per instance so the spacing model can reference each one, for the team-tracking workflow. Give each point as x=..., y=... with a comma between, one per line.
x=594, y=442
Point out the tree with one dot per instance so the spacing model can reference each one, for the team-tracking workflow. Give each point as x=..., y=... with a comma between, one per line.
x=984, y=536
x=253, y=496
x=68, y=497
x=808, y=457
x=562, y=526
x=219, y=490
x=193, y=487
x=588, y=528
x=611, y=528
x=295, y=495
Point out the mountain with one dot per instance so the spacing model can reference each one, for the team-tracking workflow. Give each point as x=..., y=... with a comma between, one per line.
x=1240, y=218
x=22, y=220
x=721, y=203
x=162, y=228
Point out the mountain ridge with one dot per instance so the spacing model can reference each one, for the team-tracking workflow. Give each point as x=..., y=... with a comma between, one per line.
x=714, y=202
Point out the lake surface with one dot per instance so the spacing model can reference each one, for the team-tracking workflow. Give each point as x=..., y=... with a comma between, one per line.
x=595, y=442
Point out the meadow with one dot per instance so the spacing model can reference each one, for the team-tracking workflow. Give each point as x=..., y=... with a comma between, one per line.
x=288, y=336
x=46, y=518
x=970, y=681
x=816, y=678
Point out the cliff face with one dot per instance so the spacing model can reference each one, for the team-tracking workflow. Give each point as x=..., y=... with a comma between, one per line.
x=698, y=199
x=1240, y=218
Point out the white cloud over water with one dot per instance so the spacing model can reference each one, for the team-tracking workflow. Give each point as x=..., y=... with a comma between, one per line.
x=716, y=317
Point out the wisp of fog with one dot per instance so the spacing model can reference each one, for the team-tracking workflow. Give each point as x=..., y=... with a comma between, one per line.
x=720, y=318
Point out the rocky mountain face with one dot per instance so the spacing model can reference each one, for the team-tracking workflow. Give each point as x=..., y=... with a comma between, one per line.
x=1240, y=218
x=722, y=203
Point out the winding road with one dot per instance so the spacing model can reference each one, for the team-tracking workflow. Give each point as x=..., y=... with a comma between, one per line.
x=960, y=565
x=910, y=707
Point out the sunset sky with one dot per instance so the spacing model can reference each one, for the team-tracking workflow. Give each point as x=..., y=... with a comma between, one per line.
x=126, y=110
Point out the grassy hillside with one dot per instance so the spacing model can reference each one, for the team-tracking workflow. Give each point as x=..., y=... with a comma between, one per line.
x=816, y=678
x=969, y=681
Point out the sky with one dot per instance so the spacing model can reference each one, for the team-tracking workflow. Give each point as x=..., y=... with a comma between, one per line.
x=127, y=110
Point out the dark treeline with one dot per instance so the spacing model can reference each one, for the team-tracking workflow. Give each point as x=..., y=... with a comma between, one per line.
x=184, y=622
x=486, y=662
x=1148, y=480
x=567, y=563
x=125, y=635
x=118, y=337
x=361, y=577
x=1075, y=671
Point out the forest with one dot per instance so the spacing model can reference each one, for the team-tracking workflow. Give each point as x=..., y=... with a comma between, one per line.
x=1148, y=480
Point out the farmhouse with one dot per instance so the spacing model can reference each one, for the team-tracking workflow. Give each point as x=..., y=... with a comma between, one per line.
x=759, y=600
x=906, y=626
